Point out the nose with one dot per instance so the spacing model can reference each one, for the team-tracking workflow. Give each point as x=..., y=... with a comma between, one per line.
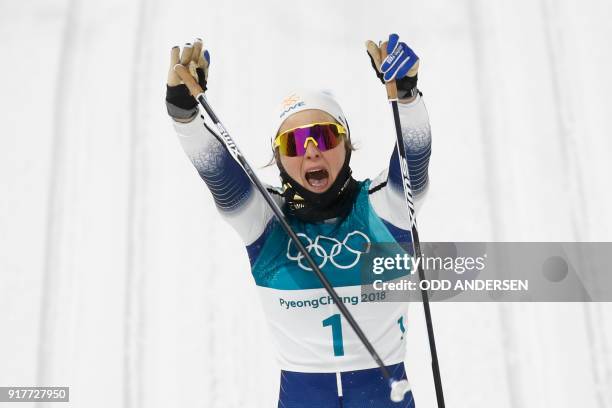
x=312, y=152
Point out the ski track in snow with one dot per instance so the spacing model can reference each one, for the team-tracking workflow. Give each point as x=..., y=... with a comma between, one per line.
x=49, y=282
x=117, y=273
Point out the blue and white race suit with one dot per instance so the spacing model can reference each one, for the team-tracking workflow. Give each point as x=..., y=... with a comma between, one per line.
x=317, y=350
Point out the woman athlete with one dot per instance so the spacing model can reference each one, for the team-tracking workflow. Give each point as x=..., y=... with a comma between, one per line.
x=323, y=363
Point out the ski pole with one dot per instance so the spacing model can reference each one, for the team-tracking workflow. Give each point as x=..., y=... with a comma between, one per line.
x=392, y=97
x=232, y=148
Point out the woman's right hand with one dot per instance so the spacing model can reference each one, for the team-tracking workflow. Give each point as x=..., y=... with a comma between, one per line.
x=181, y=105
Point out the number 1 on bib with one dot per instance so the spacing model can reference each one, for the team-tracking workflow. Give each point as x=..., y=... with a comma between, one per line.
x=336, y=324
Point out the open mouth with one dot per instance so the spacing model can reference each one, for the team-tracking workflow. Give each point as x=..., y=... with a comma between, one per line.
x=317, y=179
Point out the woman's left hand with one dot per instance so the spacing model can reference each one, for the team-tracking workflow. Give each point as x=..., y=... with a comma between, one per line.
x=400, y=65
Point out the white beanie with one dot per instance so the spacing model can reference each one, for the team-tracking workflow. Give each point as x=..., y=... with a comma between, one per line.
x=302, y=99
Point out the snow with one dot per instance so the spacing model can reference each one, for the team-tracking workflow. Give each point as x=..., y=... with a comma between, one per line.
x=117, y=277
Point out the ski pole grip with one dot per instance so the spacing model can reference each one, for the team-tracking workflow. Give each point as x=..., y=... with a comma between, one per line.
x=183, y=72
x=391, y=86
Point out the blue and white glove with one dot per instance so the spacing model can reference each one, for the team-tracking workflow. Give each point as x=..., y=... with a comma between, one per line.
x=400, y=65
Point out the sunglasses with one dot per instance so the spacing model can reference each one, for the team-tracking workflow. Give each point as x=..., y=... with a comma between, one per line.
x=324, y=136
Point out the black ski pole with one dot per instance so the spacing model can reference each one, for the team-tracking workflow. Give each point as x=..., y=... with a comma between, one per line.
x=397, y=387
x=392, y=97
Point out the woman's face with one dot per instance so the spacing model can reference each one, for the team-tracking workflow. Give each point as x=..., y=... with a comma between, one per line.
x=316, y=171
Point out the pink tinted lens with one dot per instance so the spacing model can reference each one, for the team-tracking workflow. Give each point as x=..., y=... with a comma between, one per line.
x=326, y=136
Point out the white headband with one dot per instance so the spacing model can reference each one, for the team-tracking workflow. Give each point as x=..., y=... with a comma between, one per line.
x=300, y=100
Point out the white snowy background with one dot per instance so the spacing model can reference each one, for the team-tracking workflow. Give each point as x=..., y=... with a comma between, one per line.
x=117, y=277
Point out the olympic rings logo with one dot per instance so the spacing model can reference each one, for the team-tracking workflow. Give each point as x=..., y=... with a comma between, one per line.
x=354, y=239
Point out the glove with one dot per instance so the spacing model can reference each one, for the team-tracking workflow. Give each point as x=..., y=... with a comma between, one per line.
x=181, y=105
x=401, y=65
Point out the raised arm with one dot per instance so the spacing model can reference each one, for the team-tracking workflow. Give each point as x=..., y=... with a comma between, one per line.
x=386, y=191
x=235, y=197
